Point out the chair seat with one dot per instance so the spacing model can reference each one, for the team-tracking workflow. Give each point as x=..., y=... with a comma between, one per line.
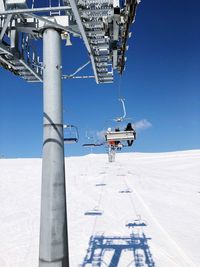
x=70, y=140
x=91, y=145
x=120, y=136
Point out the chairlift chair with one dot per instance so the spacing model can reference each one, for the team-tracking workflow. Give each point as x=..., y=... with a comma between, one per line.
x=119, y=137
x=72, y=136
x=92, y=144
x=116, y=140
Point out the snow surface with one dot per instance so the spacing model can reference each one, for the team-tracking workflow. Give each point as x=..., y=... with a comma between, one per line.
x=156, y=195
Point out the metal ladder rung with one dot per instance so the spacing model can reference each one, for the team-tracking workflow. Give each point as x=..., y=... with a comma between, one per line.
x=19, y=67
x=57, y=13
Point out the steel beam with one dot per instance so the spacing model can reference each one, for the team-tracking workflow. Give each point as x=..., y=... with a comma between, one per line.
x=53, y=24
x=53, y=225
x=78, y=77
x=2, y=5
x=33, y=72
x=5, y=26
x=84, y=36
x=31, y=10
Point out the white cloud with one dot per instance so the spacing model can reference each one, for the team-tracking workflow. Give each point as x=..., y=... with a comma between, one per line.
x=142, y=124
x=100, y=134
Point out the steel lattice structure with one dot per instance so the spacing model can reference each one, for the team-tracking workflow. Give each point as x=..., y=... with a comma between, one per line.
x=103, y=25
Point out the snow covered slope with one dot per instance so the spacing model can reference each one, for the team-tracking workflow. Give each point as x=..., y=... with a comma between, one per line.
x=142, y=210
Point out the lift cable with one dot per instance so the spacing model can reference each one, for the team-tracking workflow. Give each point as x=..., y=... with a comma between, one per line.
x=119, y=86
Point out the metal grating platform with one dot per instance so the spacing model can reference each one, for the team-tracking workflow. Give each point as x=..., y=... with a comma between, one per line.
x=104, y=26
x=12, y=61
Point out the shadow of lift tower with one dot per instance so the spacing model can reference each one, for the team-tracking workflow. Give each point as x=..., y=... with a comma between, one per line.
x=137, y=243
x=104, y=28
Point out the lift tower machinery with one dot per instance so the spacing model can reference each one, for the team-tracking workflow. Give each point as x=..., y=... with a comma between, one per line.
x=104, y=26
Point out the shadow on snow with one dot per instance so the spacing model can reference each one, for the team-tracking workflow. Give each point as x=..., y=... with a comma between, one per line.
x=136, y=242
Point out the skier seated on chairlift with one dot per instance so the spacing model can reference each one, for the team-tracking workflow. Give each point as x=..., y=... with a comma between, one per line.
x=114, y=144
x=118, y=144
x=130, y=128
x=111, y=142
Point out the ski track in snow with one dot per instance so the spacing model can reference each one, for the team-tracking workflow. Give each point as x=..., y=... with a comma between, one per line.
x=124, y=191
x=186, y=260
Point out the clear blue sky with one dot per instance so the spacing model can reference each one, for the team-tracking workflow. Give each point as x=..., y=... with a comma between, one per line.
x=161, y=84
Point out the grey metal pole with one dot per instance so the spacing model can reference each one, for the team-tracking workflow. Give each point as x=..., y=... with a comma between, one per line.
x=53, y=250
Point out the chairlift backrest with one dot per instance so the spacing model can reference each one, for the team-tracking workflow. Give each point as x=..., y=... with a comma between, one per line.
x=120, y=136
